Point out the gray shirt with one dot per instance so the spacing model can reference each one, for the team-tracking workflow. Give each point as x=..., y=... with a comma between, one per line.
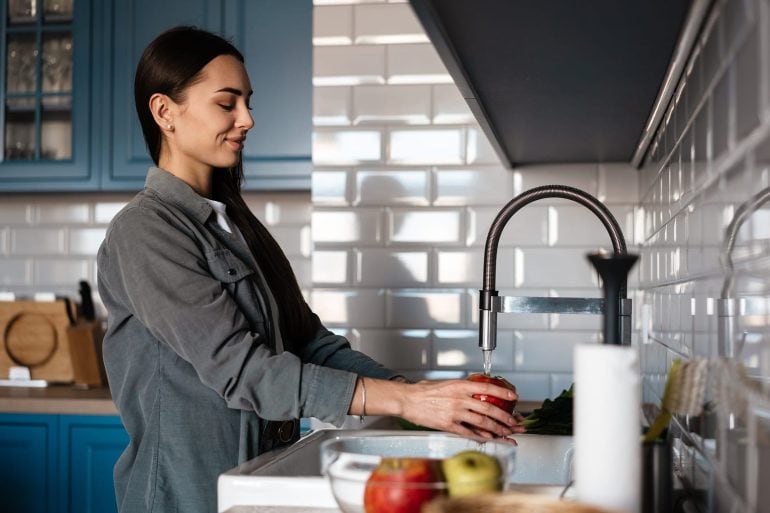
x=193, y=370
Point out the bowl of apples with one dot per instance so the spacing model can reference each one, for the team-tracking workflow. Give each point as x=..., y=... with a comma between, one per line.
x=400, y=473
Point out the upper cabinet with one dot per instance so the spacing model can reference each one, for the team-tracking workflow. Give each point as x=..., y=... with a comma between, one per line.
x=87, y=128
x=275, y=37
x=135, y=23
x=46, y=94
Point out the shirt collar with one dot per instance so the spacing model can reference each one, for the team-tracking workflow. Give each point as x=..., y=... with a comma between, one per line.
x=176, y=191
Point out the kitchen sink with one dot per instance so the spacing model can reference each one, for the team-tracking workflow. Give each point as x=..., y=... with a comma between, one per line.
x=292, y=476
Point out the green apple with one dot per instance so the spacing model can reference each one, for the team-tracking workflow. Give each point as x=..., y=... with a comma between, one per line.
x=471, y=473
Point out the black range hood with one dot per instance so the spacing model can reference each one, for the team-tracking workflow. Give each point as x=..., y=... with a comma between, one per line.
x=560, y=80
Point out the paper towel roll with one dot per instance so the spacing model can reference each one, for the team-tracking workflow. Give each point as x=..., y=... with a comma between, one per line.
x=607, y=427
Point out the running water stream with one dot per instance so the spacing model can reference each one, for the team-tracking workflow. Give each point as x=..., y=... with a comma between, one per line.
x=487, y=362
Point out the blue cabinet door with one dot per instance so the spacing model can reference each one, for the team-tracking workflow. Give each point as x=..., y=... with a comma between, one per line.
x=45, y=125
x=28, y=463
x=275, y=37
x=135, y=23
x=89, y=447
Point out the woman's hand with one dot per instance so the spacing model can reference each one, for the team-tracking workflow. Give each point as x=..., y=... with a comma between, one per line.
x=449, y=406
x=443, y=405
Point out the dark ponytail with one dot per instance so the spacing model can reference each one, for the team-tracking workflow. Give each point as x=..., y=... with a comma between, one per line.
x=297, y=321
x=172, y=62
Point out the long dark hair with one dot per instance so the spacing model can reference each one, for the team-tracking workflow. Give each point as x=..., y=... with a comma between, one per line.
x=172, y=62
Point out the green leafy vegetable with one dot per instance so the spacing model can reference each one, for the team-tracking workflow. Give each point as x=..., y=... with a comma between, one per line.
x=411, y=426
x=554, y=417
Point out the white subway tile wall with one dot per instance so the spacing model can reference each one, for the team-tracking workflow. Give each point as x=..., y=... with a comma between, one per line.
x=405, y=188
x=48, y=243
x=394, y=23
x=702, y=226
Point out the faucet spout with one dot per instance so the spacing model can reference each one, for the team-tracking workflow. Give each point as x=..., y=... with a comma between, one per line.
x=487, y=295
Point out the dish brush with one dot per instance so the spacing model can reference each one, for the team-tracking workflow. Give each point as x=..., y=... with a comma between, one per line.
x=683, y=394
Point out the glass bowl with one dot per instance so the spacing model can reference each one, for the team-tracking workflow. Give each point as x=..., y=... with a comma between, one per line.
x=348, y=462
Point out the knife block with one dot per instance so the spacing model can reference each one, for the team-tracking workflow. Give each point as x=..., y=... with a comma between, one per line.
x=85, y=343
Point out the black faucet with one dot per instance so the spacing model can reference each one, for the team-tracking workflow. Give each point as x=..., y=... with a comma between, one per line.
x=613, y=270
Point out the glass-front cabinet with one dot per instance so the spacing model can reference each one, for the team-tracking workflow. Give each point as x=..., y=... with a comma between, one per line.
x=68, y=121
x=45, y=93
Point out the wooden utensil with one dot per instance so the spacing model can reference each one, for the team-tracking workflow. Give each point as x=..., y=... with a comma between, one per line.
x=508, y=502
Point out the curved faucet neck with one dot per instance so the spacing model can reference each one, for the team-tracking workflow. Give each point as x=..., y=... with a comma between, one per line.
x=538, y=193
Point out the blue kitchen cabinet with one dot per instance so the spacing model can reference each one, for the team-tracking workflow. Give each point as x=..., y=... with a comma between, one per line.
x=275, y=37
x=28, y=463
x=59, y=463
x=135, y=23
x=89, y=446
x=46, y=128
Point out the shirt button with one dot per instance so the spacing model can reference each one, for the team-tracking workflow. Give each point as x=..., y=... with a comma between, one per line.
x=231, y=272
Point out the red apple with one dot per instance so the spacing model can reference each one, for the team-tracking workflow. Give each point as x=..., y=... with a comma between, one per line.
x=505, y=404
x=403, y=485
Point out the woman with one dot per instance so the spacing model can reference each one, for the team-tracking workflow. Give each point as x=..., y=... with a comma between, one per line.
x=211, y=352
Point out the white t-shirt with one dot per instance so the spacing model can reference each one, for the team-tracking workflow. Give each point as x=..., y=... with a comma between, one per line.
x=223, y=220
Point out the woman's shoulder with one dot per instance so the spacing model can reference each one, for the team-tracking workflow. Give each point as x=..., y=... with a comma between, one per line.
x=145, y=214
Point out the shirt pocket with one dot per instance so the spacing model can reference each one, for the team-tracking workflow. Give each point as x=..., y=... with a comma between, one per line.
x=226, y=267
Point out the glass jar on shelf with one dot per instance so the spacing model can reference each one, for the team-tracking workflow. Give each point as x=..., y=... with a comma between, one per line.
x=22, y=11
x=57, y=10
x=57, y=62
x=20, y=61
x=20, y=136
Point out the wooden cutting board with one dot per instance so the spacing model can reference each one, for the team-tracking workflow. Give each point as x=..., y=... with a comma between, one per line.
x=34, y=334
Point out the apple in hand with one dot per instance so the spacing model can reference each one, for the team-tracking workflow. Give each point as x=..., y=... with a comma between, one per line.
x=403, y=485
x=505, y=404
x=471, y=473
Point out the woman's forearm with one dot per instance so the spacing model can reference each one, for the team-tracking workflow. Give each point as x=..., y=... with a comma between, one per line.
x=382, y=397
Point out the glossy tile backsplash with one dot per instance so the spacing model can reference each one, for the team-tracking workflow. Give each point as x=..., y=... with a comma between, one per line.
x=405, y=188
x=705, y=184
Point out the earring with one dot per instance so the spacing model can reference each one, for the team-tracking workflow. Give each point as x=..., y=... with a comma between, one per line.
x=170, y=127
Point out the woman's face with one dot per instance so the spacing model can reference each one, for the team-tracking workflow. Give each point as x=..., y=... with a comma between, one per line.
x=210, y=124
